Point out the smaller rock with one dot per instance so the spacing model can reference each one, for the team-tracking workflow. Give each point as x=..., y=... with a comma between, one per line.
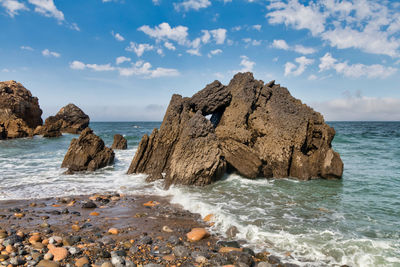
x=94, y=213
x=81, y=262
x=167, y=229
x=232, y=232
x=119, y=142
x=58, y=253
x=113, y=231
x=89, y=205
x=75, y=227
x=197, y=234
x=229, y=249
x=47, y=263
x=264, y=264
x=180, y=251
x=107, y=264
x=208, y=218
x=117, y=261
x=48, y=256
x=201, y=259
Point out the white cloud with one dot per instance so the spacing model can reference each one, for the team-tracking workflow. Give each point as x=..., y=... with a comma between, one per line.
x=13, y=7
x=141, y=68
x=47, y=8
x=118, y=36
x=77, y=65
x=48, y=53
x=194, y=52
x=187, y=5
x=120, y=60
x=206, y=36
x=214, y=52
x=236, y=28
x=293, y=69
x=360, y=108
x=5, y=70
x=280, y=44
x=370, y=26
x=169, y=46
x=160, y=52
x=164, y=32
x=297, y=15
x=247, y=64
x=139, y=49
x=252, y=42
x=26, y=47
x=257, y=27
x=74, y=26
x=355, y=70
x=219, y=35
x=312, y=77
x=156, y=2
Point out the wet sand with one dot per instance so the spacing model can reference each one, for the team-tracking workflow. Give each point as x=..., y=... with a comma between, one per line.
x=113, y=230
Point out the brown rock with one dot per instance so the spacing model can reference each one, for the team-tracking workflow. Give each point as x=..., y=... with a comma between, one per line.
x=87, y=153
x=113, y=231
x=47, y=263
x=229, y=249
x=20, y=112
x=59, y=253
x=256, y=129
x=119, y=142
x=70, y=119
x=197, y=234
x=81, y=261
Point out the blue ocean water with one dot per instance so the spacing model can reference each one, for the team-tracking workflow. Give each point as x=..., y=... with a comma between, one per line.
x=353, y=221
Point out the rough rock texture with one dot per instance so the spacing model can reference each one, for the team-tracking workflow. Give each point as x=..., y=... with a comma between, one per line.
x=119, y=142
x=20, y=112
x=70, y=119
x=256, y=129
x=87, y=153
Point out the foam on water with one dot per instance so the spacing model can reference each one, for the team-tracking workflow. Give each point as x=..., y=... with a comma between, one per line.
x=354, y=221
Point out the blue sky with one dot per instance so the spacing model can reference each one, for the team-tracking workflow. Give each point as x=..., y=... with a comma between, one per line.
x=121, y=60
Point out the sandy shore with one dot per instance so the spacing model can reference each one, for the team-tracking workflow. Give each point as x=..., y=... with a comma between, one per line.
x=114, y=230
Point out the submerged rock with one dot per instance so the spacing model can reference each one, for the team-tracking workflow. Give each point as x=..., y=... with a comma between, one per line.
x=87, y=153
x=70, y=119
x=255, y=129
x=20, y=112
x=120, y=142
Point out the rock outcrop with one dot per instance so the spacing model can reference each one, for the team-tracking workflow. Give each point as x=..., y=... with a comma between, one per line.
x=120, y=142
x=20, y=112
x=255, y=129
x=70, y=119
x=87, y=153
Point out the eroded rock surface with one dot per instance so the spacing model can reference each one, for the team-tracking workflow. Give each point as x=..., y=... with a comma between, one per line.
x=256, y=129
x=70, y=119
x=20, y=112
x=87, y=153
x=120, y=142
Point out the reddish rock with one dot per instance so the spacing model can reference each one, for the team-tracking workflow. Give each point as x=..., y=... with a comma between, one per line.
x=197, y=234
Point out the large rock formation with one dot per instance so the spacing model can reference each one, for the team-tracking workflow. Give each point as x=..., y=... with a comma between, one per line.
x=70, y=119
x=87, y=153
x=120, y=142
x=20, y=112
x=255, y=129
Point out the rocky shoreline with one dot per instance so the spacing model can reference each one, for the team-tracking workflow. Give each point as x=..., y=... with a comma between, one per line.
x=115, y=230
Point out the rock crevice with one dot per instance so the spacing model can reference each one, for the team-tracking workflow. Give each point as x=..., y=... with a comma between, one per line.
x=256, y=129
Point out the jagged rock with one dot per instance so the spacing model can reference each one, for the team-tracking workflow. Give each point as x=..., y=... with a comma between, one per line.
x=20, y=112
x=256, y=129
x=70, y=119
x=87, y=153
x=119, y=142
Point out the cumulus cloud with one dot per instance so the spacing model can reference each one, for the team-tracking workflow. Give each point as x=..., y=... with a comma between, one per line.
x=139, y=49
x=360, y=108
x=371, y=26
x=214, y=52
x=327, y=62
x=257, y=27
x=118, y=36
x=282, y=44
x=140, y=68
x=296, y=70
x=247, y=64
x=169, y=46
x=47, y=8
x=13, y=7
x=165, y=32
x=219, y=35
x=187, y=5
x=120, y=60
x=48, y=53
x=252, y=42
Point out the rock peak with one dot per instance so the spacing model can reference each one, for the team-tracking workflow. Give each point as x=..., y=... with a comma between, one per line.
x=256, y=129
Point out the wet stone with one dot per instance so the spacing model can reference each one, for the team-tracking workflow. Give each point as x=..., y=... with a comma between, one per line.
x=180, y=251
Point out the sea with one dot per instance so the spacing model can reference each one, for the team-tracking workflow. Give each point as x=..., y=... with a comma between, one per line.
x=353, y=221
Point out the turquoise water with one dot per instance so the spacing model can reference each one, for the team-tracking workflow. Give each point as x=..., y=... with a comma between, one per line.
x=354, y=221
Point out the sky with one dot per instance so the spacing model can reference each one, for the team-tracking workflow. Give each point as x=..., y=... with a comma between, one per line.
x=121, y=60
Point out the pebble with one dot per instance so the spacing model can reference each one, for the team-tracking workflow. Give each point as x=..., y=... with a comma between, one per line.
x=117, y=261
x=81, y=262
x=94, y=213
x=89, y=205
x=107, y=264
x=208, y=218
x=197, y=234
x=48, y=256
x=113, y=231
x=46, y=263
x=180, y=251
x=58, y=253
x=264, y=264
x=167, y=229
x=229, y=249
x=232, y=232
x=76, y=227
x=201, y=259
